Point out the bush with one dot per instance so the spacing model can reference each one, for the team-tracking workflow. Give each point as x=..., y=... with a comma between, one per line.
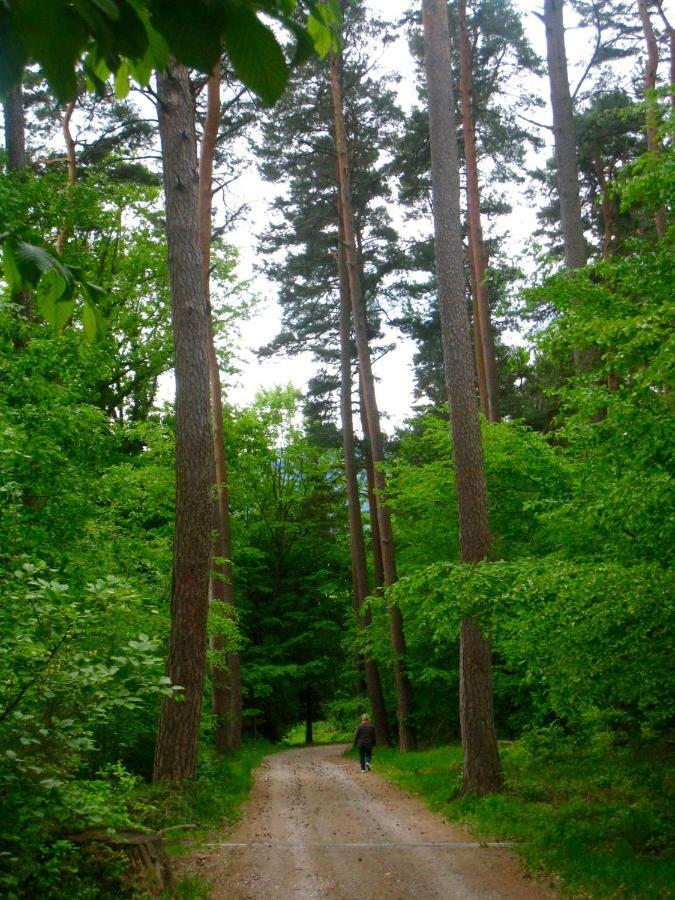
x=586, y=643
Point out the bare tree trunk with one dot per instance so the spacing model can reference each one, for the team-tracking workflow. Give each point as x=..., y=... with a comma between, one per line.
x=403, y=687
x=482, y=326
x=178, y=734
x=564, y=136
x=482, y=769
x=15, y=130
x=378, y=568
x=356, y=539
x=64, y=233
x=477, y=342
x=226, y=683
x=652, y=122
x=309, y=714
x=608, y=211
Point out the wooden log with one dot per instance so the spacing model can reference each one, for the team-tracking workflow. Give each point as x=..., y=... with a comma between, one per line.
x=145, y=851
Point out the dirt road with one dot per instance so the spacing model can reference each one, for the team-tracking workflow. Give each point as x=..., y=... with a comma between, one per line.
x=315, y=828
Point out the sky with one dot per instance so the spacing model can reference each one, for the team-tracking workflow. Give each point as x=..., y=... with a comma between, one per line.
x=394, y=371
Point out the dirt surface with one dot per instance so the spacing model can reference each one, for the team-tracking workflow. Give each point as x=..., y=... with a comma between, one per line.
x=315, y=828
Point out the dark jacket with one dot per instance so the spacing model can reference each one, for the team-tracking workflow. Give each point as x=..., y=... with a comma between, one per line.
x=365, y=735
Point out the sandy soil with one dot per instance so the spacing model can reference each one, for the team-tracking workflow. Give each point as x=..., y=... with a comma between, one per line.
x=315, y=828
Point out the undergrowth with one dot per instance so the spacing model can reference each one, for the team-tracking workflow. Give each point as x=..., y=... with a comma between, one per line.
x=596, y=814
x=323, y=733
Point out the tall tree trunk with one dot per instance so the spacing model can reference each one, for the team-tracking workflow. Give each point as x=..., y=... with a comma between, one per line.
x=71, y=158
x=356, y=539
x=482, y=769
x=309, y=715
x=226, y=683
x=15, y=129
x=15, y=145
x=564, y=136
x=378, y=567
x=403, y=687
x=608, y=210
x=477, y=342
x=652, y=121
x=482, y=327
x=178, y=734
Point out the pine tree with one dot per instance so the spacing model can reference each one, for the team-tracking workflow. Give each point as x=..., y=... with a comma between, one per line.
x=482, y=769
x=178, y=732
x=406, y=734
x=226, y=682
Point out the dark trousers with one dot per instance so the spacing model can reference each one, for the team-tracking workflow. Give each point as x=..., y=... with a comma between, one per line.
x=365, y=755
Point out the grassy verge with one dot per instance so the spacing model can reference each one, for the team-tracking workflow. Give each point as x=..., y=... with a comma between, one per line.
x=594, y=813
x=324, y=733
x=214, y=799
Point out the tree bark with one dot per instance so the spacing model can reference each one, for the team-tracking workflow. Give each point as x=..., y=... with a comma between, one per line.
x=482, y=326
x=178, y=734
x=225, y=683
x=403, y=687
x=309, y=715
x=378, y=567
x=608, y=210
x=15, y=130
x=482, y=769
x=71, y=158
x=564, y=136
x=477, y=342
x=652, y=122
x=356, y=539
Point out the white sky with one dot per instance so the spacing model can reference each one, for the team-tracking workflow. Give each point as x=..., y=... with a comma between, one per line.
x=395, y=388
x=394, y=371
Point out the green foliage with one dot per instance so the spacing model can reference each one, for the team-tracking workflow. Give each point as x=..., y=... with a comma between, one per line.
x=136, y=37
x=596, y=814
x=72, y=661
x=324, y=732
x=522, y=471
x=616, y=418
x=28, y=267
x=289, y=554
x=585, y=643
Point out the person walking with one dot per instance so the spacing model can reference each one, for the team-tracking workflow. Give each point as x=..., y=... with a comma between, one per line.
x=364, y=739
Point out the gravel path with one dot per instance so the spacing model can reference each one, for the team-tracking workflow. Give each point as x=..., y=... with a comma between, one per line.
x=315, y=828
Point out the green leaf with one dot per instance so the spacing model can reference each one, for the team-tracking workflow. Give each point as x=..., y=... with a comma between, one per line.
x=304, y=47
x=12, y=52
x=320, y=34
x=33, y=261
x=122, y=81
x=89, y=322
x=255, y=54
x=108, y=8
x=93, y=321
x=10, y=269
x=130, y=33
x=191, y=30
x=55, y=312
x=58, y=47
x=54, y=301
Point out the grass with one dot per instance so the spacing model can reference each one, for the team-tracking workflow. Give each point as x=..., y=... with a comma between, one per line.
x=214, y=798
x=322, y=733
x=595, y=814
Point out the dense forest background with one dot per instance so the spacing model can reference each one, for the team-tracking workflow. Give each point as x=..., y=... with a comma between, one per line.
x=337, y=563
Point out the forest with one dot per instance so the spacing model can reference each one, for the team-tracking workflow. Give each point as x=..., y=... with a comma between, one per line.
x=191, y=584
